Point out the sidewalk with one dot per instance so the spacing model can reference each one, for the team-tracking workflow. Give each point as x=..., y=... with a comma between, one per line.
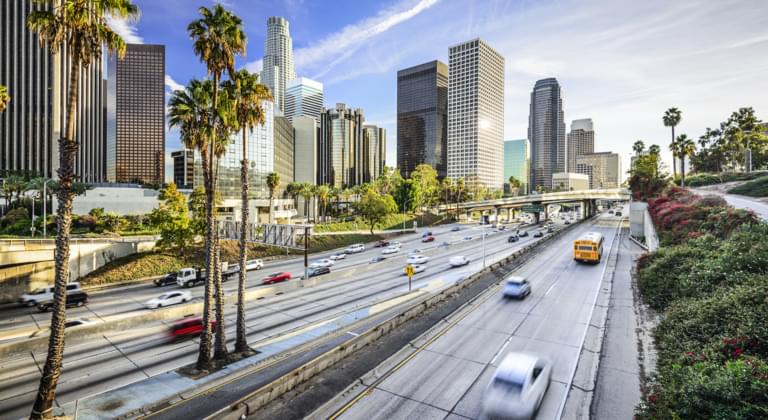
x=739, y=201
x=617, y=390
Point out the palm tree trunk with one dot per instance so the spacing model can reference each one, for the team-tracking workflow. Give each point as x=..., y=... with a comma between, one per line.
x=271, y=219
x=241, y=344
x=682, y=171
x=220, y=343
x=46, y=393
x=674, y=157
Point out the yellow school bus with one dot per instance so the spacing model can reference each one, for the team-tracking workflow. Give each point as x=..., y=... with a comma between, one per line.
x=588, y=248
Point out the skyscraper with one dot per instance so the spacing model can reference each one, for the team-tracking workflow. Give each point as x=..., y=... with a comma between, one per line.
x=278, y=68
x=581, y=140
x=136, y=115
x=603, y=169
x=375, y=142
x=517, y=157
x=476, y=114
x=36, y=116
x=341, y=152
x=303, y=97
x=422, y=117
x=546, y=131
x=284, y=150
x=183, y=168
x=305, y=151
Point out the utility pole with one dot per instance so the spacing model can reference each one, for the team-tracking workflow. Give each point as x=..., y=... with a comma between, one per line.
x=306, y=252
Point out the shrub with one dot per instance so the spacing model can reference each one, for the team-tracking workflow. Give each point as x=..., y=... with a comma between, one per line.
x=756, y=188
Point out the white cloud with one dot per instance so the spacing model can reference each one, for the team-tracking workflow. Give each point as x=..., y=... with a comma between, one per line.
x=126, y=30
x=172, y=84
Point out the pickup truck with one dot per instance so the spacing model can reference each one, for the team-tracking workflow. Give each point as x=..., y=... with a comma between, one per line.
x=45, y=294
x=189, y=277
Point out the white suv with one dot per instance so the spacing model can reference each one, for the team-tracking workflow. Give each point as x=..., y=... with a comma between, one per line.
x=458, y=261
x=44, y=294
x=354, y=249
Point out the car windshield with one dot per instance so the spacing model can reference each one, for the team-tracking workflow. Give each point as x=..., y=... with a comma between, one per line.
x=163, y=296
x=509, y=384
x=274, y=275
x=38, y=291
x=514, y=284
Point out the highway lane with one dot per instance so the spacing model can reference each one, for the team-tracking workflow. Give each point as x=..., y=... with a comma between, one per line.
x=447, y=376
x=119, y=358
x=131, y=298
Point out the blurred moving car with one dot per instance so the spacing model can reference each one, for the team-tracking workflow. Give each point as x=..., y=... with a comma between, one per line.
x=429, y=238
x=417, y=268
x=425, y=234
x=325, y=262
x=378, y=258
x=337, y=257
x=168, y=299
x=618, y=213
x=165, y=280
x=354, y=249
x=538, y=234
x=276, y=277
x=417, y=259
x=517, y=387
x=189, y=326
x=458, y=261
x=455, y=229
x=390, y=250
x=523, y=234
x=75, y=298
x=513, y=238
x=256, y=264
x=467, y=238
x=517, y=287
x=317, y=271
x=567, y=222
x=382, y=243
x=45, y=294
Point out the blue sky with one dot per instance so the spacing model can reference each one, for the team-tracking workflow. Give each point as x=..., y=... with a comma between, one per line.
x=620, y=62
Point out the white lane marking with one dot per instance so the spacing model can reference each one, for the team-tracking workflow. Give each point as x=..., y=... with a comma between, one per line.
x=353, y=334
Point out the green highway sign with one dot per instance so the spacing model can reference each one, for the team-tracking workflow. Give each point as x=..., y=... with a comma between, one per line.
x=533, y=208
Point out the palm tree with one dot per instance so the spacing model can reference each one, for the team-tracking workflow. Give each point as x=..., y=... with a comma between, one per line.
x=460, y=189
x=5, y=98
x=672, y=118
x=80, y=30
x=654, y=149
x=273, y=181
x=248, y=95
x=307, y=191
x=685, y=148
x=218, y=36
x=638, y=147
x=293, y=189
x=336, y=196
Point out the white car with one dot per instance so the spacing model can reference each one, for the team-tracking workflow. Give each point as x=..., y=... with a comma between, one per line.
x=517, y=387
x=325, y=262
x=354, y=249
x=254, y=265
x=458, y=261
x=417, y=259
x=337, y=257
x=390, y=250
x=168, y=299
x=395, y=243
x=417, y=268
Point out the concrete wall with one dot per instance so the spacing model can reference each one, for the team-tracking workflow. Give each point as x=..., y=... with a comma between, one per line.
x=641, y=225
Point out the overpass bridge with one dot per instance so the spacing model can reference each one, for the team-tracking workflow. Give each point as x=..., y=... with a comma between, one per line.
x=587, y=199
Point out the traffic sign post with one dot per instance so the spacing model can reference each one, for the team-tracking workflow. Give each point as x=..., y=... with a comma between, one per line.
x=409, y=271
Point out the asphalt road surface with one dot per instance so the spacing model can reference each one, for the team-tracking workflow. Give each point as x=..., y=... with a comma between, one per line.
x=122, y=357
x=450, y=371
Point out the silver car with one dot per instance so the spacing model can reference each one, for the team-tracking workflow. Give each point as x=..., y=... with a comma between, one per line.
x=518, y=387
x=516, y=287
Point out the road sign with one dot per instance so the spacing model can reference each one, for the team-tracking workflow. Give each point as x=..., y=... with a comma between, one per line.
x=533, y=208
x=409, y=271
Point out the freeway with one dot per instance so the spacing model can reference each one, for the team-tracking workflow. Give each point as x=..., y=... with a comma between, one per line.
x=446, y=375
x=122, y=357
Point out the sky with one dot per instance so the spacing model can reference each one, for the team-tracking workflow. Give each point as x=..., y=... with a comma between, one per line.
x=620, y=62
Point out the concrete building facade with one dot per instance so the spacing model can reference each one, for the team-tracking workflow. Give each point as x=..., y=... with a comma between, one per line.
x=183, y=168
x=476, y=114
x=136, y=116
x=284, y=151
x=422, y=117
x=568, y=181
x=603, y=169
x=546, y=131
x=303, y=97
x=581, y=141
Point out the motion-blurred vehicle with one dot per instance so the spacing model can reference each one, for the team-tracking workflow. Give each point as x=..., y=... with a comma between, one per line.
x=425, y=234
x=517, y=387
x=256, y=264
x=354, y=249
x=165, y=280
x=523, y=234
x=390, y=250
x=516, y=287
x=538, y=234
x=337, y=257
x=168, y=299
x=417, y=268
x=550, y=229
x=382, y=243
x=378, y=258
x=189, y=326
x=610, y=211
x=74, y=298
x=325, y=262
x=467, y=238
x=458, y=261
x=45, y=294
x=317, y=271
x=618, y=214
x=415, y=251
x=455, y=229
x=429, y=238
x=513, y=238
x=417, y=259
x=567, y=222
x=276, y=277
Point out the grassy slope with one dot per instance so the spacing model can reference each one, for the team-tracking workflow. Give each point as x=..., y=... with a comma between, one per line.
x=756, y=188
x=391, y=222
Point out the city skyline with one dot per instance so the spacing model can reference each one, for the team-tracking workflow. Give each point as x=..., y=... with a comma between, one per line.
x=596, y=62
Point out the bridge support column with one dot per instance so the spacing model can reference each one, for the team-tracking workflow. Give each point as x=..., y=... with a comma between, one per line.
x=546, y=212
x=509, y=212
x=496, y=220
x=584, y=212
x=537, y=217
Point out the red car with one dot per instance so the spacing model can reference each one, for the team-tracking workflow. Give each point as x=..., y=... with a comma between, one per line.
x=191, y=326
x=429, y=238
x=382, y=243
x=276, y=277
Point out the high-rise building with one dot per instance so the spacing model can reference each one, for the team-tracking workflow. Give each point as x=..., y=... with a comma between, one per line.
x=375, y=142
x=476, y=114
x=305, y=156
x=136, y=115
x=603, y=169
x=581, y=141
x=342, y=154
x=517, y=157
x=278, y=68
x=546, y=131
x=261, y=160
x=183, y=168
x=422, y=117
x=303, y=97
x=35, y=118
x=284, y=151
x=568, y=181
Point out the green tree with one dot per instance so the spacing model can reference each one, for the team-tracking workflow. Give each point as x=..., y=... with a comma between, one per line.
x=646, y=180
x=5, y=98
x=374, y=207
x=685, y=149
x=218, y=37
x=672, y=118
x=80, y=30
x=307, y=192
x=293, y=189
x=172, y=219
x=424, y=179
x=638, y=147
x=514, y=185
x=273, y=181
x=406, y=196
x=323, y=193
